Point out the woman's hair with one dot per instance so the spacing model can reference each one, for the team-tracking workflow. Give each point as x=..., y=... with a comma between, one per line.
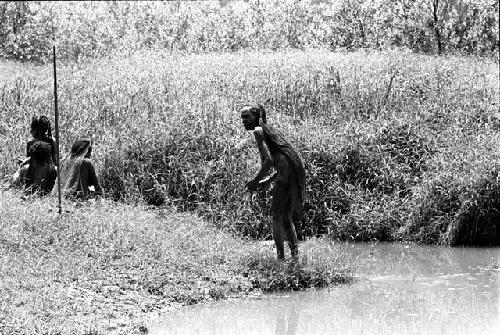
x=71, y=168
x=41, y=128
x=34, y=124
x=260, y=113
x=80, y=146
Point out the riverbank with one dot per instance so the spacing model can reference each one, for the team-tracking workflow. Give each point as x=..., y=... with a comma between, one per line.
x=103, y=267
x=401, y=289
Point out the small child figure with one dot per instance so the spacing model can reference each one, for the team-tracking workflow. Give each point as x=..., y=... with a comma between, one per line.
x=39, y=174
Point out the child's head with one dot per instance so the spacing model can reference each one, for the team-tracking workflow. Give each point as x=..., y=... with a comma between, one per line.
x=40, y=151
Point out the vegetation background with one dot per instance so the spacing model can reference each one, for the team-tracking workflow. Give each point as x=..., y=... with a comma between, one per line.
x=393, y=104
x=95, y=29
x=398, y=145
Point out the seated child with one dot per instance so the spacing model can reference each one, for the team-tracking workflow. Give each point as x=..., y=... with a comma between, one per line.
x=39, y=174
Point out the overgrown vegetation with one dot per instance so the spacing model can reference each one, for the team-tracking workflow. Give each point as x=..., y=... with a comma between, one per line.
x=452, y=209
x=388, y=138
x=398, y=146
x=96, y=29
x=101, y=267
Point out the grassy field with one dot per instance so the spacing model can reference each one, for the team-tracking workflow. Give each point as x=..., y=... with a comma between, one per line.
x=104, y=267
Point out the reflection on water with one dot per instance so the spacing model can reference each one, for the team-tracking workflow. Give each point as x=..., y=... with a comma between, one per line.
x=288, y=325
x=402, y=289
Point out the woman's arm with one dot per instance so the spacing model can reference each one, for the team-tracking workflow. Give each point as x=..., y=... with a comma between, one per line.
x=92, y=177
x=28, y=146
x=19, y=178
x=265, y=158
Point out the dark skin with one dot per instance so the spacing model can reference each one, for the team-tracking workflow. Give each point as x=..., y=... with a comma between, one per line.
x=282, y=224
x=38, y=174
x=43, y=177
x=250, y=122
x=88, y=176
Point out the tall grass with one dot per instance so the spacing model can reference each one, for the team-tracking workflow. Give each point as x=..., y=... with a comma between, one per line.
x=376, y=130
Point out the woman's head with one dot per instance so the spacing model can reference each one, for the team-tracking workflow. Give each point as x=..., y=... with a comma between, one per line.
x=40, y=127
x=253, y=116
x=81, y=147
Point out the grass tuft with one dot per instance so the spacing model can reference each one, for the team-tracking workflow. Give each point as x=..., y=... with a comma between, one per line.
x=460, y=212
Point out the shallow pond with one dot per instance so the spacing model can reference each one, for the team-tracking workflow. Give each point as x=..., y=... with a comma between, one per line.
x=400, y=289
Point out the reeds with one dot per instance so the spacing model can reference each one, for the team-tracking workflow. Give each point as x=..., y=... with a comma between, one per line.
x=166, y=129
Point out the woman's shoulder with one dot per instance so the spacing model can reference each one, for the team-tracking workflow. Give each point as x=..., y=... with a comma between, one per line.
x=258, y=132
x=87, y=162
x=51, y=141
x=30, y=143
x=24, y=169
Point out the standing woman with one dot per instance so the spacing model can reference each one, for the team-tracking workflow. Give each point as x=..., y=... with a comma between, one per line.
x=289, y=187
x=78, y=172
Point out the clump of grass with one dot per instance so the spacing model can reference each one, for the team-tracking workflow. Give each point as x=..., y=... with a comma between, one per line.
x=372, y=218
x=456, y=211
x=477, y=220
x=322, y=182
x=270, y=275
x=405, y=146
x=458, y=200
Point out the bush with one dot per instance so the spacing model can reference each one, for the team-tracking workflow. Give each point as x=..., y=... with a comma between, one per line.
x=197, y=173
x=458, y=212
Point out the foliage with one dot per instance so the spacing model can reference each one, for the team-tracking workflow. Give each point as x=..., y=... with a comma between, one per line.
x=458, y=211
x=374, y=130
x=85, y=30
x=271, y=275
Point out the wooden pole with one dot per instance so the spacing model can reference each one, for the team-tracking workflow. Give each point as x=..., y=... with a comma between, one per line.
x=56, y=126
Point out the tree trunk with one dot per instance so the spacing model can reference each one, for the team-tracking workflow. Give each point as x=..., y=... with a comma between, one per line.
x=437, y=31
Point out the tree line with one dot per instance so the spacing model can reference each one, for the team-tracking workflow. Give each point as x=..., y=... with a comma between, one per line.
x=96, y=29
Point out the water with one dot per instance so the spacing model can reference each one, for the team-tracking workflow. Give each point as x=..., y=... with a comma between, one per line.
x=401, y=289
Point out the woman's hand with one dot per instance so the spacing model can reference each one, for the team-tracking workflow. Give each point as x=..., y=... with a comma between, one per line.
x=252, y=185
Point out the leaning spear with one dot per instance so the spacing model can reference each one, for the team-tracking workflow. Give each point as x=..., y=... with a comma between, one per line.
x=56, y=126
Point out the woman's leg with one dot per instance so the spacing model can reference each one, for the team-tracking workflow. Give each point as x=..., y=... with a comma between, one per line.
x=278, y=235
x=291, y=235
